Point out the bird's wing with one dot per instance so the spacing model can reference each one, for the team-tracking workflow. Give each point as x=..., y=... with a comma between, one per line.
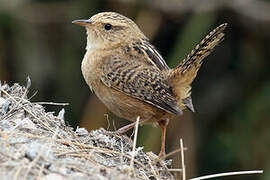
x=154, y=56
x=139, y=81
x=150, y=54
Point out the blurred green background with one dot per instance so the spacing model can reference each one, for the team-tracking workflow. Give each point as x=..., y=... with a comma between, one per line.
x=231, y=127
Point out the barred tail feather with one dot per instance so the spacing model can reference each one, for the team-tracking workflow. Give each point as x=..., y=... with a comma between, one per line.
x=182, y=76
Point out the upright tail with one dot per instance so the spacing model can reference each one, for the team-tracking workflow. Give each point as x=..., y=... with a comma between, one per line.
x=182, y=76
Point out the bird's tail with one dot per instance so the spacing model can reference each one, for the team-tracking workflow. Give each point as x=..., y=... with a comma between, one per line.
x=182, y=76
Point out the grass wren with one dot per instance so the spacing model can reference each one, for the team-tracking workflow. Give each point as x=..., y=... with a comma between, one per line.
x=131, y=78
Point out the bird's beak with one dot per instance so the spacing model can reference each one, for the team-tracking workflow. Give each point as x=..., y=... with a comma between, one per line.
x=82, y=22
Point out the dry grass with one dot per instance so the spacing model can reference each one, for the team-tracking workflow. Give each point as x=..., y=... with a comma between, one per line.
x=35, y=144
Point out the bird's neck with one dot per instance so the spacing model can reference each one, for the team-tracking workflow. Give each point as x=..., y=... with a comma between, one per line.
x=92, y=46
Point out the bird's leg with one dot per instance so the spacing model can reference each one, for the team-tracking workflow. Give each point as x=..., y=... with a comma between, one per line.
x=124, y=129
x=163, y=125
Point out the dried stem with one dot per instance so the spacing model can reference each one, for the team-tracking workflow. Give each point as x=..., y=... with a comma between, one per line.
x=134, y=142
x=227, y=174
x=183, y=159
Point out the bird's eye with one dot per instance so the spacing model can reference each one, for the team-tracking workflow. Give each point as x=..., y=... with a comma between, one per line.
x=108, y=26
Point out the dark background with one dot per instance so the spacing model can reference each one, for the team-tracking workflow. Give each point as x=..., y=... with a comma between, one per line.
x=230, y=130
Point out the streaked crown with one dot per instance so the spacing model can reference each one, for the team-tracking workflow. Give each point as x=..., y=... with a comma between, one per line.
x=109, y=29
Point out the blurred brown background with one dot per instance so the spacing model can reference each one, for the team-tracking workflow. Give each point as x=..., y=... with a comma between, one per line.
x=231, y=127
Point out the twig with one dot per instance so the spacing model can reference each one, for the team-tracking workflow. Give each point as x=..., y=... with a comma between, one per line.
x=35, y=93
x=175, y=170
x=183, y=159
x=52, y=103
x=122, y=151
x=174, y=152
x=108, y=121
x=227, y=174
x=40, y=171
x=114, y=127
x=152, y=168
x=18, y=172
x=134, y=142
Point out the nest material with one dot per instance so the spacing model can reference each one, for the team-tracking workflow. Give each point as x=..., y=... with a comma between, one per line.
x=35, y=144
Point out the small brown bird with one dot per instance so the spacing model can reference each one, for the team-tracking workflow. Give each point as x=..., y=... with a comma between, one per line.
x=131, y=78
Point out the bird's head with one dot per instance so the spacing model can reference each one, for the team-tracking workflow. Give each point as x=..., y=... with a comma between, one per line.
x=109, y=29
